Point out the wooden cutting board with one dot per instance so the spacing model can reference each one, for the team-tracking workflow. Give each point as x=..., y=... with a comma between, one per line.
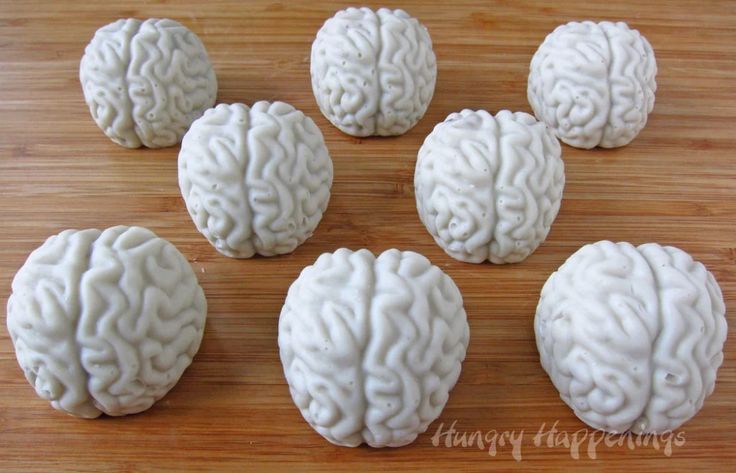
x=675, y=184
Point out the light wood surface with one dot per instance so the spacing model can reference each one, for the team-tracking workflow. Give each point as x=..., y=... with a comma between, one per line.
x=675, y=184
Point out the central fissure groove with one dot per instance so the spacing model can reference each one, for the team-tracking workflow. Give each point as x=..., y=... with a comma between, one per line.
x=609, y=64
x=655, y=340
x=379, y=90
x=370, y=293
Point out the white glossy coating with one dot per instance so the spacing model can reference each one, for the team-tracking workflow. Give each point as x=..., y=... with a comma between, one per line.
x=593, y=83
x=373, y=72
x=146, y=81
x=489, y=187
x=255, y=180
x=371, y=346
x=105, y=321
x=631, y=337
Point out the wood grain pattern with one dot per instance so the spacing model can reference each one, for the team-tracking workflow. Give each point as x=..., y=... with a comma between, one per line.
x=675, y=184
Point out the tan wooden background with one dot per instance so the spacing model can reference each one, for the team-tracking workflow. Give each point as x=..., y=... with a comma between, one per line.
x=675, y=184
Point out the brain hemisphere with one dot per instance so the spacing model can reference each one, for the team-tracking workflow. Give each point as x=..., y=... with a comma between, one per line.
x=170, y=79
x=489, y=188
x=145, y=82
x=631, y=80
x=593, y=83
x=121, y=309
x=689, y=348
x=407, y=72
x=344, y=73
x=42, y=317
x=568, y=83
x=323, y=330
x=255, y=180
x=142, y=321
x=103, y=72
x=631, y=337
x=212, y=164
x=420, y=335
x=594, y=330
x=372, y=346
x=373, y=73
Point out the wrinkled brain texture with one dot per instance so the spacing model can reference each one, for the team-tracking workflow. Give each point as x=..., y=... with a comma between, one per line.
x=255, y=179
x=631, y=336
x=105, y=322
x=146, y=81
x=373, y=72
x=489, y=187
x=372, y=346
x=593, y=83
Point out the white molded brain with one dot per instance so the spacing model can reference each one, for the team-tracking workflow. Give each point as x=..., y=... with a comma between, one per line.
x=372, y=346
x=255, y=179
x=105, y=322
x=631, y=336
x=373, y=72
x=593, y=83
x=146, y=81
x=489, y=187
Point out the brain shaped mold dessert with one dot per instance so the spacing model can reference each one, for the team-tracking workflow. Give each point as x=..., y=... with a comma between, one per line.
x=255, y=180
x=146, y=81
x=631, y=336
x=373, y=72
x=105, y=321
x=593, y=83
x=489, y=188
x=372, y=346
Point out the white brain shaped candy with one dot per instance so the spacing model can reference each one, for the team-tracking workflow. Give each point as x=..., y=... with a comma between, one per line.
x=105, y=321
x=631, y=337
x=593, y=83
x=373, y=72
x=489, y=187
x=372, y=346
x=146, y=81
x=255, y=179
